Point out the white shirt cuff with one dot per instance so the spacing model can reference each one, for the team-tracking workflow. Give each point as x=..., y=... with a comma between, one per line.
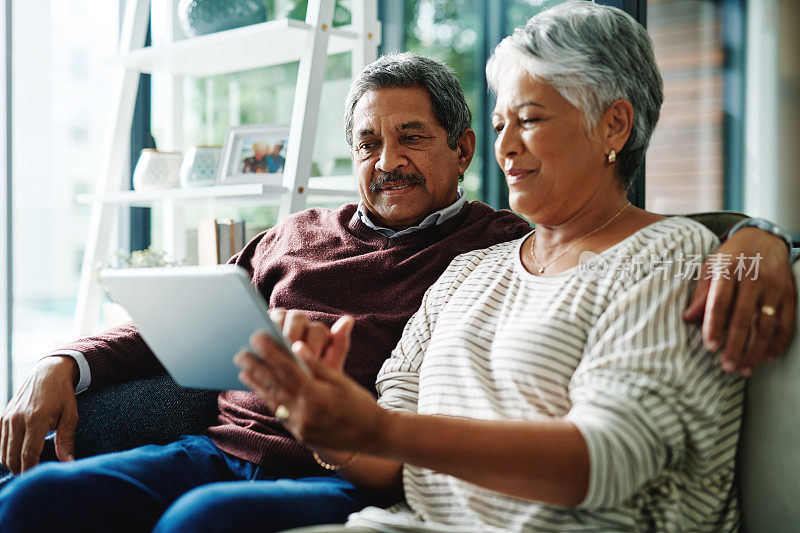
x=84, y=373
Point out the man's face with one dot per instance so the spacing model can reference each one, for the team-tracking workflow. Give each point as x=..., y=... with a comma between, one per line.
x=404, y=166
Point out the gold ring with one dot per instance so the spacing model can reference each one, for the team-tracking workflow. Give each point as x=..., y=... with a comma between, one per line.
x=282, y=413
x=768, y=310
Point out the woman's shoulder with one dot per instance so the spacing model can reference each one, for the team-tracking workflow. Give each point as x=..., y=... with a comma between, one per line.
x=668, y=248
x=487, y=263
x=677, y=223
x=491, y=254
x=669, y=235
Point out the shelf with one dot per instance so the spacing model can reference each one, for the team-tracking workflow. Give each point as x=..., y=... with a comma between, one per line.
x=334, y=186
x=255, y=46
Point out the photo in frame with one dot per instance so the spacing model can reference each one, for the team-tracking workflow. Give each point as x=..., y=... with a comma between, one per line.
x=253, y=152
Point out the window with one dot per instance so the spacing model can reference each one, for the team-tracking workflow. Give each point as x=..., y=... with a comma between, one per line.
x=61, y=101
x=685, y=164
x=694, y=163
x=452, y=32
x=772, y=160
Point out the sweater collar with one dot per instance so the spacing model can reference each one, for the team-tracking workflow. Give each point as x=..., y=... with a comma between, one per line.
x=434, y=219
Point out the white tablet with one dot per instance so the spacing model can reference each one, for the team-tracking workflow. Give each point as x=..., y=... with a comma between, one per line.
x=195, y=319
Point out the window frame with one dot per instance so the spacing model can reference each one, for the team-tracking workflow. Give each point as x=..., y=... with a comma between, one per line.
x=734, y=83
x=139, y=218
x=6, y=279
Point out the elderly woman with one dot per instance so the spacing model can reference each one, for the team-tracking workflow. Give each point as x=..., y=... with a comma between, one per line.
x=548, y=383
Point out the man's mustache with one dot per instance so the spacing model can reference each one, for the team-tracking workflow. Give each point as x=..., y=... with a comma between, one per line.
x=385, y=178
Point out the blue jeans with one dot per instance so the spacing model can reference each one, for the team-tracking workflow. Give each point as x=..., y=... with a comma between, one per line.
x=187, y=485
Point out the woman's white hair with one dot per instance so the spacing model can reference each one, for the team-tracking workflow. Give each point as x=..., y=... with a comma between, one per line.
x=592, y=55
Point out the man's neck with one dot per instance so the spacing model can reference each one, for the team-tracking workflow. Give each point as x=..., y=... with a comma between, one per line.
x=443, y=213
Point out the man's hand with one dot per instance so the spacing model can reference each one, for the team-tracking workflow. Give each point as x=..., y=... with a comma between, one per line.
x=737, y=314
x=46, y=401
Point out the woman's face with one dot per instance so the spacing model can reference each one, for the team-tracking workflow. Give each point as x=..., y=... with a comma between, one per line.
x=552, y=165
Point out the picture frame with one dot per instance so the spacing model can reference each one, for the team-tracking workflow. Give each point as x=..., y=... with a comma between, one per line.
x=249, y=154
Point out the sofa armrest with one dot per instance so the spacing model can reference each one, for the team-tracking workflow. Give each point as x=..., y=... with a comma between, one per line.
x=719, y=222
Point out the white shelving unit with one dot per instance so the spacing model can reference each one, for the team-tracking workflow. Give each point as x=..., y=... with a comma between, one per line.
x=169, y=59
x=269, y=190
x=282, y=41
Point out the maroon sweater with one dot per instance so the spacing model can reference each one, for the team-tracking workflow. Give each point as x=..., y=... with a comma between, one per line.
x=325, y=263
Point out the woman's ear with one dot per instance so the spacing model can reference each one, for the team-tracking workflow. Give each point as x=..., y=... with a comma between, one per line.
x=616, y=124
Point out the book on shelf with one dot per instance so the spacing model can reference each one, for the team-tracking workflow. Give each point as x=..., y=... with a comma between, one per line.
x=218, y=240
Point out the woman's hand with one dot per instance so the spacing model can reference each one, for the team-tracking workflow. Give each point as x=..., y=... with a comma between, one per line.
x=296, y=326
x=326, y=408
x=751, y=318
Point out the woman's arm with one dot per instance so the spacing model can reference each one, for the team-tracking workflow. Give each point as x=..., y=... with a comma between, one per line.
x=327, y=347
x=369, y=471
x=545, y=461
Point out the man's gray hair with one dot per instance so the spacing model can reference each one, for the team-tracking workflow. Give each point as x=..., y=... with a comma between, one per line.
x=408, y=70
x=592, y=55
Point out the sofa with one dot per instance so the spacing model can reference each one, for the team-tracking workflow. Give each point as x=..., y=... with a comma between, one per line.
x=157, y=410
x=769, y=448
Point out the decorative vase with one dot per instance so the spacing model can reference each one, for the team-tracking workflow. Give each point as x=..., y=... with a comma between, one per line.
x=200, y=17
x=199, y=167
x=157, y=170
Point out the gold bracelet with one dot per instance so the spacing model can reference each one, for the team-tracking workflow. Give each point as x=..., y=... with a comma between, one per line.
x=334, y=468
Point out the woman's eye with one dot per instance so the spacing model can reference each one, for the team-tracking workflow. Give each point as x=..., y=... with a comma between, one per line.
x=530, y=120
x=498, y=128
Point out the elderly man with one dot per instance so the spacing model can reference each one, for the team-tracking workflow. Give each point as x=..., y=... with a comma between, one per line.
x=408, y=126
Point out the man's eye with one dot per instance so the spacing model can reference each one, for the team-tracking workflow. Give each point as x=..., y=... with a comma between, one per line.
x=367, y=146
x=497, y=128
x=412, y=138
x=530, y=120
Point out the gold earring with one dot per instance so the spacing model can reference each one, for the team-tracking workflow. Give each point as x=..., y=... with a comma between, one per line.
x=612, y=157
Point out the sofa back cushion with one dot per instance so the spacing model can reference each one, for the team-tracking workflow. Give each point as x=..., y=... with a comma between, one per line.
x=769, y=451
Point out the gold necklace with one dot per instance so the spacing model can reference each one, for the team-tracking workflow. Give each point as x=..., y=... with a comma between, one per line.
x=540, y=267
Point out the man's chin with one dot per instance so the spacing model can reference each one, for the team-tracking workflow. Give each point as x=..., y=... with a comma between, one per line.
x=398, y=217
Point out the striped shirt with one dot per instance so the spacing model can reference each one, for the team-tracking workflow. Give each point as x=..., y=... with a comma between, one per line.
x=605, y=348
